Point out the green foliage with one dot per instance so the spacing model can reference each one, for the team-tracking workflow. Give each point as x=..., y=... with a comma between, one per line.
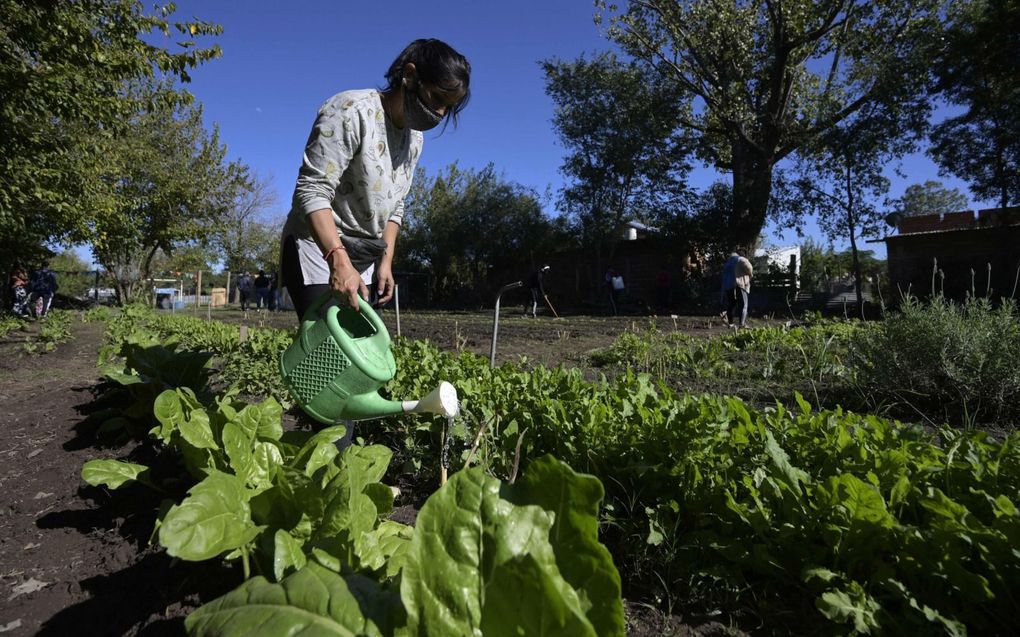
x=314, y=600
x=818, y=521
x=173, y=185
x=930, y=198
x=97, y=314
x=53, y=330
x=441, y=233
x=63, y=74
x=297, y=511
x=771, y=79
x=9, y=323
x=760, y=364
x=946, y=362
x=627, y=155
x=247, y=240
x=480, y=565
x=977, y=70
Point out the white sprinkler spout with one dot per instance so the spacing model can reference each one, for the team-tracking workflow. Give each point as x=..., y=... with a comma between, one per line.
x=442, y=400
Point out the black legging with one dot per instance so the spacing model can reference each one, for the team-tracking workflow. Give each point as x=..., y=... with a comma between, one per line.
x=737, y=306
x=301, y=295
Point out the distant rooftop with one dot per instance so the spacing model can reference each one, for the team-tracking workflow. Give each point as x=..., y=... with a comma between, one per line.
x=956, y=221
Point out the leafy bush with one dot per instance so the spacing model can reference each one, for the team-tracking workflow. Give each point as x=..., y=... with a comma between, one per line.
x=945, y=362
x=97, y=314
x=9, y=323
x=760, y=365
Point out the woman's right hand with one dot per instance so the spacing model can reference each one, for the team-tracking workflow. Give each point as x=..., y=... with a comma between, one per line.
x=344, y=279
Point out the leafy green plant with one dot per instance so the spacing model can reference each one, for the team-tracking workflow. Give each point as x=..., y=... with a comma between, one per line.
x=55, y=329
x=484, y=558
x=9, y=323
x=97, y=314
x=945, y=362
x=820, y=521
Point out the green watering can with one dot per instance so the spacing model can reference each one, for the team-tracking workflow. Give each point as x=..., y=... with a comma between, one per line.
x=339, y=360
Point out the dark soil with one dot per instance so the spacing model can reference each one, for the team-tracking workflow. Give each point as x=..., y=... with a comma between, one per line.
x=77, y=560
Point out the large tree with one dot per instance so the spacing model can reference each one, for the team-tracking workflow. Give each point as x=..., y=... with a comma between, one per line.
x=172, y=186
x=979, y=69
x=842, y=181
x=929, y=198
x=626, y=154
x=247, y=227
x=63, y=69
x=462, y=226
x=769, y=78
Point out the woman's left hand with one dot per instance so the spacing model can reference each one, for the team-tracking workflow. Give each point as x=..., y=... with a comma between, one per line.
x=384, y=283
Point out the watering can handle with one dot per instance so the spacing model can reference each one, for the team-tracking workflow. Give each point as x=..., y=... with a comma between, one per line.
x=346, y=342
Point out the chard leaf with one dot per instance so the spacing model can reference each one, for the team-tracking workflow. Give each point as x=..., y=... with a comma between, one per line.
x=169, y=412
x=215, y=518
x=323, y=440
x=573, y=499
x=463, y=536
x=111, y=473
x=287, y=554
x=855, y=607
x=263, y=420
x=322, y=455
x=266, y=459
x=312, y=601
x=523, y=598
x=781, y=461
x=237, y=445
x=270, y=419
x=351, y=513
x=385, y=546
x=197, y=430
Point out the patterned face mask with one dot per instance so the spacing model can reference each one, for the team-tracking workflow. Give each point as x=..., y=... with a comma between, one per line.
x=417, y=115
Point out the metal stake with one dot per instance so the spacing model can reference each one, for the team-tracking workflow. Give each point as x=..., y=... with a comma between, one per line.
x=495, y=319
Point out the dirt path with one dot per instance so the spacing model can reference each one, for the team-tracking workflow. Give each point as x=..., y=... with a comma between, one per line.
x=73, y=560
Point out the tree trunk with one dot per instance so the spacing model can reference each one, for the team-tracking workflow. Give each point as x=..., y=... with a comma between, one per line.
x=852, y=230
x=752, y=187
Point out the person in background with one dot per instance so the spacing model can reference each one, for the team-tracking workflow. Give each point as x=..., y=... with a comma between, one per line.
x=262, y=284
x=736, y=289
x=43, y=285
x=537, y=290
x=616, y=286
x=19, y=291
x=274, y=292
x=245, y=289
x=358, y=164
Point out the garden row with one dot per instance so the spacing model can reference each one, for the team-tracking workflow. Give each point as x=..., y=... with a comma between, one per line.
x=309, y=522
x=54, y=330
x=936, y=363
x=799, y=520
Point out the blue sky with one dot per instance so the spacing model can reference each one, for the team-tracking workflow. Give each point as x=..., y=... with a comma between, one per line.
x=281, y=60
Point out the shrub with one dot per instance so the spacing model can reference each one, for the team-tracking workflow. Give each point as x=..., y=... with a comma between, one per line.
x=945, y=362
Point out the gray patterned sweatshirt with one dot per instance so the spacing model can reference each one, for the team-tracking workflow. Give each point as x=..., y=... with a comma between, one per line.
x=356, y=163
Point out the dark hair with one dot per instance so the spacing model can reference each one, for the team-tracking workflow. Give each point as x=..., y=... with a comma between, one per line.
x=437, y=63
